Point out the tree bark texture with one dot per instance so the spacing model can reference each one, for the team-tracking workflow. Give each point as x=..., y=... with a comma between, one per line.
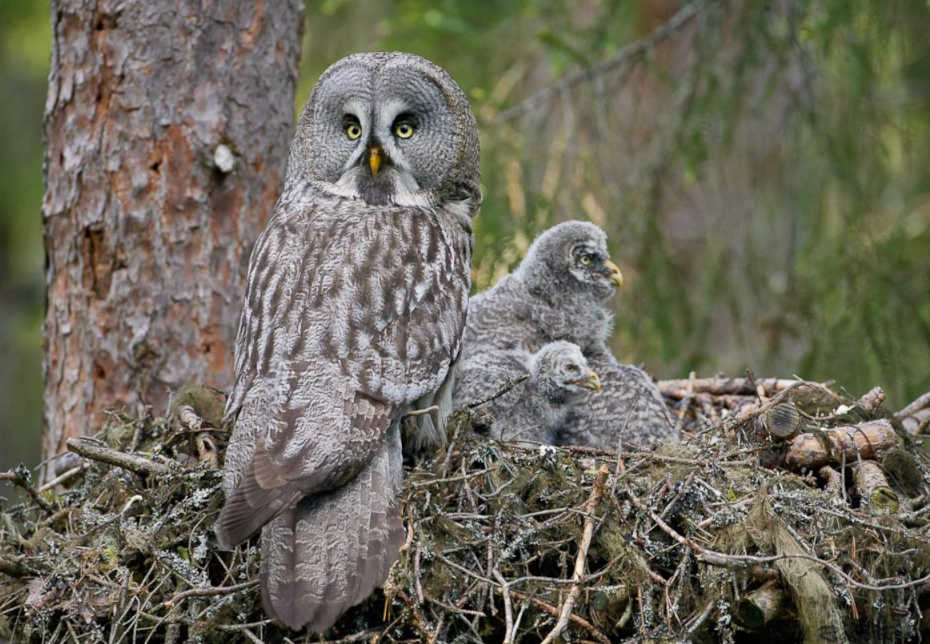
x=148, y=218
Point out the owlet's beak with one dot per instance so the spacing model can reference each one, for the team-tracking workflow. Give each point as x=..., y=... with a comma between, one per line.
x=616, y=277
x=375, y=155
x=590, y=381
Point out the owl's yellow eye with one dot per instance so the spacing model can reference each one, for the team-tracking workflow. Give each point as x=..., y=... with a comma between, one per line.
x=404, y=130
x=585, y=259
x=353, y=130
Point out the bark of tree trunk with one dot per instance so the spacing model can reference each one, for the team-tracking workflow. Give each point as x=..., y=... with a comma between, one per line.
x=148, y=219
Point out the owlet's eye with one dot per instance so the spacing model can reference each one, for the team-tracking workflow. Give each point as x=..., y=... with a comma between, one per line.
x=585, y=259
x=404, y=130
x=353, y=130
x=571, y=367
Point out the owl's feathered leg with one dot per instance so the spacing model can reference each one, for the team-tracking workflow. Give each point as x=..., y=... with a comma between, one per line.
x=331, y=550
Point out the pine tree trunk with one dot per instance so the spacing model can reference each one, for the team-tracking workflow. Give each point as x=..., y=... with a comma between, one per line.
x=148, y=220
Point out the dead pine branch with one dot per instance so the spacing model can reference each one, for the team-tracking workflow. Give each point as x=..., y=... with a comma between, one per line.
x=874, y=489
x=589, y=508
x=761, y=606
x=864, y=440
x=680, y=389
x=133, y=462
x=20, y=478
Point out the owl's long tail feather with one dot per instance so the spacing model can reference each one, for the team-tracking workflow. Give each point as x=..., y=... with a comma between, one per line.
x=331, y=550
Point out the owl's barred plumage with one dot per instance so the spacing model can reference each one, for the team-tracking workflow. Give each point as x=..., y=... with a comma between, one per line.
x=560, y=292
x=628, y=413
x=353, y=315
x=543, y=300
x=532, y=410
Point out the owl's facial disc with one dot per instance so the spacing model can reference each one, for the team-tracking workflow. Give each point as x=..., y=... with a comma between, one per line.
x=590, y=264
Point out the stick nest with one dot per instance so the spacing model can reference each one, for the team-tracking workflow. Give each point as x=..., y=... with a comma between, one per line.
x=718, y=537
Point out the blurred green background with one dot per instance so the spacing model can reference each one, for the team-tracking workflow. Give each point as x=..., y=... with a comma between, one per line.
x=763, y=172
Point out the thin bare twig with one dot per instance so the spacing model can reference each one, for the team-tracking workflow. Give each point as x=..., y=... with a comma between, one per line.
x=209, y=591
x=507, y=386
x=590, y=506
x=18, y=478
x=64, y=476
x=724, y=560
x=575, y=619
x=624, y=55
x=508, y=607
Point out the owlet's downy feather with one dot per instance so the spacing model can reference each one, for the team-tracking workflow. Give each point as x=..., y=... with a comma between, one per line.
x=535, y=409
x=353, y=316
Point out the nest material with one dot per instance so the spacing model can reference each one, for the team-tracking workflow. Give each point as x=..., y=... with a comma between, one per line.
x=710, y=539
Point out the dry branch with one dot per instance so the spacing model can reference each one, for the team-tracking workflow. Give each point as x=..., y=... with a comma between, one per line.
x=865, y=440
x=678, y=389
x=761, y=606
x=919, y=403
x=89, y=448
x=20, y=478
x=589, y=508
x=781, y=421
x=874, y=489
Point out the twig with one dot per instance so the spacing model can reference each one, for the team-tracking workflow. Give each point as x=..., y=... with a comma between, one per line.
x=209, y=591
x=578, y=574
x=575, y=619
x=625, y=54
x=724, y=560
x=510, y=384
x=189, y=417
x=18, y=477
x=679, y=389
x=64, y=476
x=138, y=464
x=915, y=406
x=508, y=606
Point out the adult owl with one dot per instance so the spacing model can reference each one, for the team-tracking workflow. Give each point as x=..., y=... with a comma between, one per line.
x=353, y=316
x=560, y=291
x=534, y=410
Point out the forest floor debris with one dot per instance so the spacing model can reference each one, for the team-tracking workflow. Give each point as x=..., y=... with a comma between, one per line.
x=787, y=512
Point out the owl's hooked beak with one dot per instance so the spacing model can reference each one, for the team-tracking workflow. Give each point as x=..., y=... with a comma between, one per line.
x=615, y=275
x=375, y=154
x=590, y=381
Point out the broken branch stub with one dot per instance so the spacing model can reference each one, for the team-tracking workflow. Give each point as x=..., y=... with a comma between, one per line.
x=864, y=440
x=761, y=606
x=874, y=489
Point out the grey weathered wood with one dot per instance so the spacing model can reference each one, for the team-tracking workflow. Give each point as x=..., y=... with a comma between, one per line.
x=148, y=220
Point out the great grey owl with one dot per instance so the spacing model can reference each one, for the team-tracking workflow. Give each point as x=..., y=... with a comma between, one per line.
x=629, y=413
x=556, y=293
x=532, y=410
x=353, y=317
x=560, y=291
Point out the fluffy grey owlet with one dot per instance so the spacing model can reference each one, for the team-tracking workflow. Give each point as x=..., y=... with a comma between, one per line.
x=535, y=409
x=353, y=316
x=560, y=291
